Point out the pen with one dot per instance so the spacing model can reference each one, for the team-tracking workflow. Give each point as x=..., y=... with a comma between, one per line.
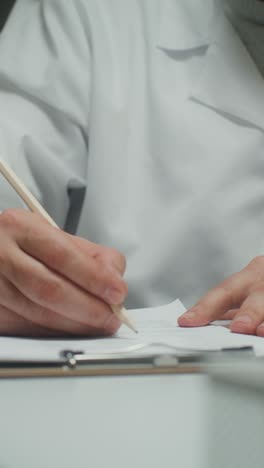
x=33, y=204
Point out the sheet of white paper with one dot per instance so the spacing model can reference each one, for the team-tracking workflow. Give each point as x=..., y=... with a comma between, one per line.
x=156, y=325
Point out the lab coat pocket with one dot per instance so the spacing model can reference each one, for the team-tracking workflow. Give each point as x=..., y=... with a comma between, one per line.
x=230, y=83
x=222, y=75
x=184, y=35
x=186, y=24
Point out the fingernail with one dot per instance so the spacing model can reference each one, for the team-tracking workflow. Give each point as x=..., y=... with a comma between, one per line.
x=114, y=271
x=113, y=296
x=188, y=317
x=260, y=330
x=111, y=325
x=241, y=324
x=243, y=319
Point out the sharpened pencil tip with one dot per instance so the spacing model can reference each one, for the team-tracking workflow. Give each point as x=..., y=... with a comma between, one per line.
x=120, y=312
x=130, y=325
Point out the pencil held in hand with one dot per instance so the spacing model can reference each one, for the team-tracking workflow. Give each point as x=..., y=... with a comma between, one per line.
x=33, y=204
x=121, y=313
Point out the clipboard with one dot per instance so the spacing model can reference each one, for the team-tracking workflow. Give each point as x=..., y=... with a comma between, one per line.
x=78, y=364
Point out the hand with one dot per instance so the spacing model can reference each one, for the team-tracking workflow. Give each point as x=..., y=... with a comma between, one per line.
x=239, y=298
x=52, y=283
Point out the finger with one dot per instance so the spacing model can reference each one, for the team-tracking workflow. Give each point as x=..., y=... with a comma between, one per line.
x=101, y=253
x=12, y=299
x=12, y=324
x=54, y=248
x=226, y=296
x=57, y=294
x=260, y=330
x=251, y=313
x=229, y=315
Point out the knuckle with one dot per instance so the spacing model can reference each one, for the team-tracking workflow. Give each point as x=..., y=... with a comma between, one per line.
x=117, y=259
x=57, y=256
x=258, y=288
x=10, y=219
x=226, y=290
x=48, y=291
x=257, y=264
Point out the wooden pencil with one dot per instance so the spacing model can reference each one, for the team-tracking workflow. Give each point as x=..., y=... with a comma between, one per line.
x=33, y=204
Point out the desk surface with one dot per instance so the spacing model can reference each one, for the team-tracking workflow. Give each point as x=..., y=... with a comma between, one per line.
x=104, y=422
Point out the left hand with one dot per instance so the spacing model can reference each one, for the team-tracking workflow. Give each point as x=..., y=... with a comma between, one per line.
x=239, y=298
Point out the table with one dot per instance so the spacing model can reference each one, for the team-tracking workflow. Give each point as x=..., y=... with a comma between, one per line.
x=121, y=422
x=236, y=408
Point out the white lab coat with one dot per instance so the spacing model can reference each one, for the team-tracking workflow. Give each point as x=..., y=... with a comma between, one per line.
x=154, y=106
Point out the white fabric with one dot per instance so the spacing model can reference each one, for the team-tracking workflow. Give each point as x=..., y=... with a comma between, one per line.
x=157, y=107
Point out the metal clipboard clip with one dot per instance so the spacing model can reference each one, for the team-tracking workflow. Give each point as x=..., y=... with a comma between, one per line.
x=77, y=363
x=172, y=361
x=117, y=360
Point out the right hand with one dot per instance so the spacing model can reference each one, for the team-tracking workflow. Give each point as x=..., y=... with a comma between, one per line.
x=53, y=283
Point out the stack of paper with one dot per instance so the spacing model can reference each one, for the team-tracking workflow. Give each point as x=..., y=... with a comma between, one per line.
x=158, y=332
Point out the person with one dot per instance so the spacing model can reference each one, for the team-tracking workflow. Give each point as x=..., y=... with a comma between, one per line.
x=139, y=126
